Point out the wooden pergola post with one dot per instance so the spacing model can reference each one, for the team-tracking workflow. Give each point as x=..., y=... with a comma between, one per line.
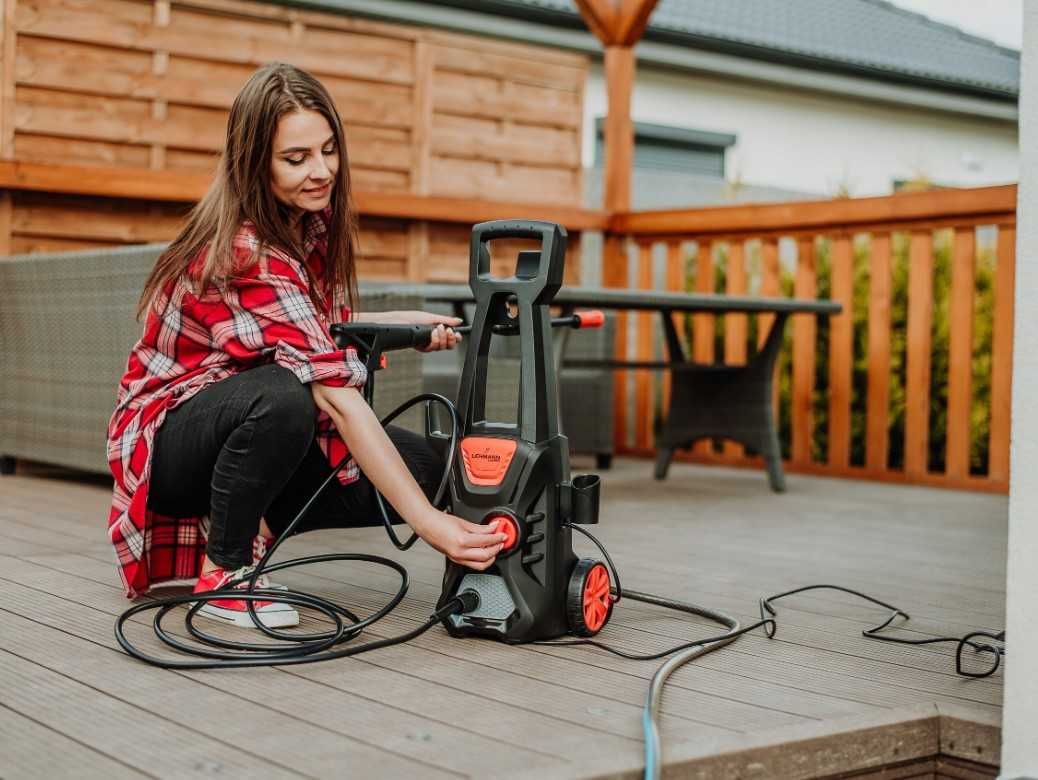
x=618, y=24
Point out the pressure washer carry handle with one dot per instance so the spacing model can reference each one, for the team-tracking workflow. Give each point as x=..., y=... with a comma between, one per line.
x=538, y=273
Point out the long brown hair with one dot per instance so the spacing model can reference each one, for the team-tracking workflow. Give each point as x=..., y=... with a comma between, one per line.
x=242, y=191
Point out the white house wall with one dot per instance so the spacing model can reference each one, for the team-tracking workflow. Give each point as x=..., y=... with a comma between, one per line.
x=814, y=142
x=1020, y=716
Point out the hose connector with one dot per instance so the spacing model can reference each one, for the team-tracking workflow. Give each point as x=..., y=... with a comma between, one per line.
x=469, y=600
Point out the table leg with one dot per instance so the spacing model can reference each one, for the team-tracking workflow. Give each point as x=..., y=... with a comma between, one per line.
x=764, y=363
x=676, y=354
x=732, y=402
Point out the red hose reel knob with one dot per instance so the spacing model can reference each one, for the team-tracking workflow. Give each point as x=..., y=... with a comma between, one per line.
x=507, y=525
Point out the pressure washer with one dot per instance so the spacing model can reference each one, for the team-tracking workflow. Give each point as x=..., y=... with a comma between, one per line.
x=517, y=476
x=514, y=475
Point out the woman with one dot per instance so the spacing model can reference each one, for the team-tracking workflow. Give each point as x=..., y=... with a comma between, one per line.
x=236, y=403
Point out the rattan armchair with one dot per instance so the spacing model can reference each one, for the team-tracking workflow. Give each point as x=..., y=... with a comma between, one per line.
x=66, y=329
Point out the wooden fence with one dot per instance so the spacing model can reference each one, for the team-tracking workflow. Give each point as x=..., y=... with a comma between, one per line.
x=138, y=91
x=899, y=389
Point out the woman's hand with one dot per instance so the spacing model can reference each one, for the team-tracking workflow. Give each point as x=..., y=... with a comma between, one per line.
x=443, y=337
x=465, y=543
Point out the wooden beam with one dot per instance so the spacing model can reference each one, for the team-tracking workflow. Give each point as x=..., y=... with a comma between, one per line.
x=619, y=131
x=8, y=61
x=600, y=17
x=421, y=155
x=7, y=110
x=634, y=18
x=822, y=214
x=104, y=181
x=184, y=187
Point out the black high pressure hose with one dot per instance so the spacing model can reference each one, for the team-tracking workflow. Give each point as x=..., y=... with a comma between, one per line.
x=295, y=648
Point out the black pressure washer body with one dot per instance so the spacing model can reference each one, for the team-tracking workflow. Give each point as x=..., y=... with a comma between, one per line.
x=517, y=474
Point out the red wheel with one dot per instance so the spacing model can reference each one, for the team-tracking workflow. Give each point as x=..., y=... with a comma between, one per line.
x=589, y=603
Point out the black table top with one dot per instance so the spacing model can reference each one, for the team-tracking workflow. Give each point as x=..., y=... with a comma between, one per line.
x=644, y=300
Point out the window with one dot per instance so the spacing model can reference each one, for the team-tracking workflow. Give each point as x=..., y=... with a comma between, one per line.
x=659, y=147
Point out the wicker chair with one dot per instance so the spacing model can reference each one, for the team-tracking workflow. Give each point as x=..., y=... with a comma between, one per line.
x=66, y=329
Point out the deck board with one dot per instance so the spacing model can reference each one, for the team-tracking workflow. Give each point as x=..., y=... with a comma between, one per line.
x=30, y=747
x=440, y=707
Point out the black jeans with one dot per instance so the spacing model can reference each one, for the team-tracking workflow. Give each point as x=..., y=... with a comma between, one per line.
x=244, y=448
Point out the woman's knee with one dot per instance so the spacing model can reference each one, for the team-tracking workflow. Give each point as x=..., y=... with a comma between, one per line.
x=284, y=405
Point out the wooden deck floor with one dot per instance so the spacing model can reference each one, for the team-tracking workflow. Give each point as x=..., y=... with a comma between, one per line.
x=71, y=703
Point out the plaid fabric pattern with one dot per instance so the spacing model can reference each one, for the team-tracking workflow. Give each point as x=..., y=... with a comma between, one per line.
x=262, y=315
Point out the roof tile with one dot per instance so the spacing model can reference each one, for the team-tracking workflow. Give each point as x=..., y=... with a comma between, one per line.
x=862, y=35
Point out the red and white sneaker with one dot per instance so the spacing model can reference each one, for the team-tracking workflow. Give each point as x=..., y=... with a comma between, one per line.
x=236, y=611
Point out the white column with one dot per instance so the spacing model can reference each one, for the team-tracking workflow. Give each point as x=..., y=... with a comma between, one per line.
x=1020, y=717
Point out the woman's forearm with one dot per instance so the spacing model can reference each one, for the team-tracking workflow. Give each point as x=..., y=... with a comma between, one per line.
x=373, y=450
x=374, y=316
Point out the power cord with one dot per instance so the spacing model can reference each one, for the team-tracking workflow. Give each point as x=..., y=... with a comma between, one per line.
x=972, y=640
x=990, y=654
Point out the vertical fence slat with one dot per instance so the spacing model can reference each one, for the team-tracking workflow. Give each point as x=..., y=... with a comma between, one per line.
x=919, y=339
x=614, y=274
x=1002, y=354
x=877, y=415
x=841, y=352
x=960, y=353
x=769, y=288
x=643, y=379
x=805, y=329
x=735, y=325
x=675, y=280
x=703, y=324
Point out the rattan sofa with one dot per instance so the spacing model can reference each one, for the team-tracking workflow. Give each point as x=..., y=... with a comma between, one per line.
x=66, y=329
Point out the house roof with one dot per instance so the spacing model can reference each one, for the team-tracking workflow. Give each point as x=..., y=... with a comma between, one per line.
x=864, y=37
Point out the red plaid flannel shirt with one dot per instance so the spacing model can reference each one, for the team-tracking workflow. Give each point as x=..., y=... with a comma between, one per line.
x=264, y=315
